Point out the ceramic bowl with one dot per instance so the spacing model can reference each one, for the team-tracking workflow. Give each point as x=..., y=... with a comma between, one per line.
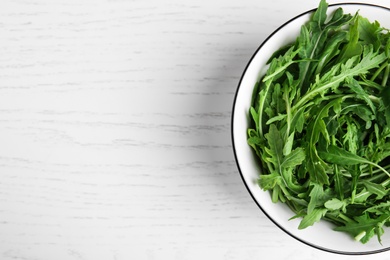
x=321, y=235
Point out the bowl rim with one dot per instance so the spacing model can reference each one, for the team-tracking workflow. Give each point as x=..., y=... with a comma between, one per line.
x=233, y=139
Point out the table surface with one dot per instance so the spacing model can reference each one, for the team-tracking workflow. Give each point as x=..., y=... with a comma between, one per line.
x=115, y=123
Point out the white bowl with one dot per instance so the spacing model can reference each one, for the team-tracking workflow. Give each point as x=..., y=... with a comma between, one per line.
x=321, y=235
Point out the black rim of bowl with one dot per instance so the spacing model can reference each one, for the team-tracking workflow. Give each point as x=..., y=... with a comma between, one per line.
x=235, y=151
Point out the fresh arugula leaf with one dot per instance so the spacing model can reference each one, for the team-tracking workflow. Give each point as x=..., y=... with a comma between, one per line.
x=339, y=156
x=380, y=209
x=316, y=197
x=294, y=158
x=353, y=46
x=376, y=189
x=364, y=228
x=369, y=32
x=336, y=204
x=312, y=218
x=269, y=181
x=275, y=149
x=385, y=97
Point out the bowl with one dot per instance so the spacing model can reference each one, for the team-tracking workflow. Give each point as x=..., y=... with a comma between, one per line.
x=321, y=235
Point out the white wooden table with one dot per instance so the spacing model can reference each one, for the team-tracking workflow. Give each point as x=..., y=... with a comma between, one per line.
x=115, y=130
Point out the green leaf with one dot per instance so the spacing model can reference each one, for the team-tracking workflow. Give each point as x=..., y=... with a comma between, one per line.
x=299, y=121
x=335, y=204
x=316, y=195
x=277, y=118
x=277, y=100
x=351, y=137
x=289, y=144
x=290, y=183
x=283, y=62
x=312, y=218
x=269, y=181
x=353, y=47
x=354, y=85
x=364, y=228
x=361, y=111
x=379, y=209
x=376, y=189
x=294, y=158
x=316, y=167
x=275, y=142
x=320, y=15
x=330, y=51
x=277, y=194
x=338, y=181
x=252, y=141
x=255, y=117
x=340, y=156
x=385, y=97
x=362, y=196
x=369, y=32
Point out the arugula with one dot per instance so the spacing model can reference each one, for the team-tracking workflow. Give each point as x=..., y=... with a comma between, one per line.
x=320, y=124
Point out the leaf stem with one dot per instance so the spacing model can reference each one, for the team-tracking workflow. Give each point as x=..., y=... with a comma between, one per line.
x=379, y=167
x=386, y=75
x=347, y=219
x=378, y=71
x=360, y=236
x=288, y=112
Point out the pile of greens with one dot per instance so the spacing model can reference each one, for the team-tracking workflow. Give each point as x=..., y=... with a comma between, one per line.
x=321, y=124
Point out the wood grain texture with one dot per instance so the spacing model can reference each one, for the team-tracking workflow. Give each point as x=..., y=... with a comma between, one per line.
x=115, y=130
